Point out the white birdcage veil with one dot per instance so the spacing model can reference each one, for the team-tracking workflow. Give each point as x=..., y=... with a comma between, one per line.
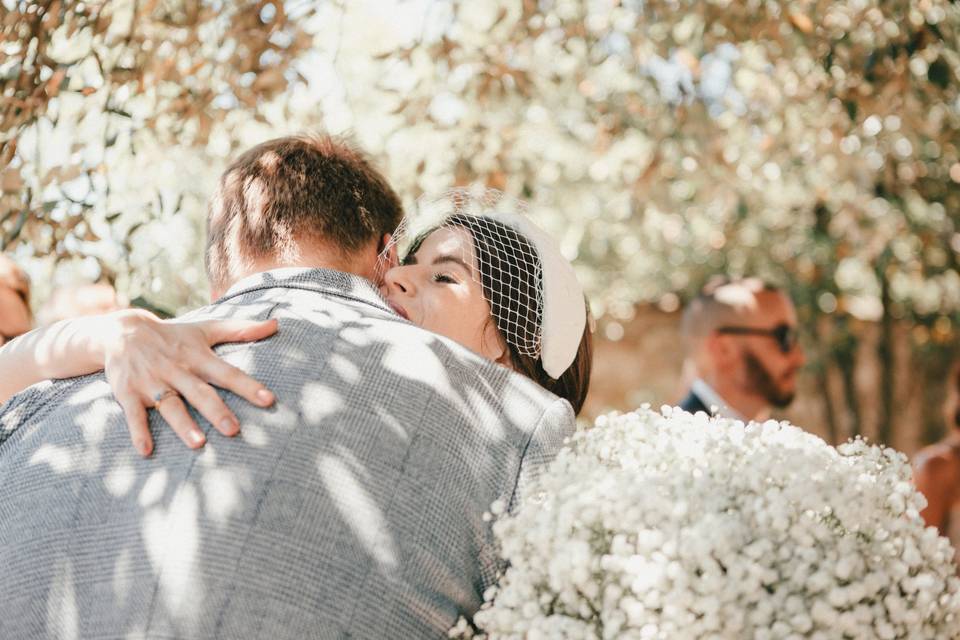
x=535, y=297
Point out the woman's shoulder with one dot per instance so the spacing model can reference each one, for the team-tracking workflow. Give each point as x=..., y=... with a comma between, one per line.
x=941, y=459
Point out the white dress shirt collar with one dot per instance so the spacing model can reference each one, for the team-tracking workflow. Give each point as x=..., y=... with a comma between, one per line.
x=713, y=400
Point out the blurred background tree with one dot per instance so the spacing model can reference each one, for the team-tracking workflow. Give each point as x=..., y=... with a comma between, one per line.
x=107, y=110
x=812, y=142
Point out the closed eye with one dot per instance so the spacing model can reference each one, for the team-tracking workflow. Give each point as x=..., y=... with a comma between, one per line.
x=444, y=278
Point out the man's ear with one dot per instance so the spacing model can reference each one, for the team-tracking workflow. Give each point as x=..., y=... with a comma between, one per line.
x=387, y=244
x=720, y=349
x=386, y=257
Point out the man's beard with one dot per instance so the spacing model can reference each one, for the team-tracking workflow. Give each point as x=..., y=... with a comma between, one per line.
x=763, y=383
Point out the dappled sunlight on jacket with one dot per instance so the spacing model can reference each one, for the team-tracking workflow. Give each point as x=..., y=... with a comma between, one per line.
x=354, y=505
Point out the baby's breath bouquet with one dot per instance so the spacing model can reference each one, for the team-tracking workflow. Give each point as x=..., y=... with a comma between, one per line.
x=670, y=525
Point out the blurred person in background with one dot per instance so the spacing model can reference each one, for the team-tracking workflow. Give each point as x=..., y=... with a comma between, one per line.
x=77, y=301
x=937, y=469
x=15, y=315
x=741, y=337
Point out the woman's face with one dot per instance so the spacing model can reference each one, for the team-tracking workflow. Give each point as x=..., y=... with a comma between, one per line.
x=438, y=288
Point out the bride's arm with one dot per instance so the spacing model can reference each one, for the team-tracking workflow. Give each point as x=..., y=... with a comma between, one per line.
x=143, y=358
x=62, y=350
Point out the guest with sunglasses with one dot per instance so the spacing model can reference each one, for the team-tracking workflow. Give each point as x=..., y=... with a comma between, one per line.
x=741, y=337
x=15, y=315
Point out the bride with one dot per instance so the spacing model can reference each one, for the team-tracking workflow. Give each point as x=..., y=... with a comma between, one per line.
x=487, y=279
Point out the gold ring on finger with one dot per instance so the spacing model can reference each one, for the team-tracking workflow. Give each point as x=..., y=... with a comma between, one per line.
x=160, y=396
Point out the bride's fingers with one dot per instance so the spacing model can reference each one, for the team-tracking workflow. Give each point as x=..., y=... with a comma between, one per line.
x=204, y=398
x=136, y=415
x=175, y=413
x=217, y=331
x=228, y=377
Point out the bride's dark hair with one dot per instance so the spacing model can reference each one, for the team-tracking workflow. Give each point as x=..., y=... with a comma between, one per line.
x=511, y=276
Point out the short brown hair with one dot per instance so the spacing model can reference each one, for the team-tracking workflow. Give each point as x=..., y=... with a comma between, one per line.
x=319, y=186
x=712, y=307
x=15, y=279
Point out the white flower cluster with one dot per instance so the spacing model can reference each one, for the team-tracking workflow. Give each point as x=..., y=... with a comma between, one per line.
x=671, y=525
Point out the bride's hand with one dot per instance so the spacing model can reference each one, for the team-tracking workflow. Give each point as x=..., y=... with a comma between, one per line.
x=162, y=363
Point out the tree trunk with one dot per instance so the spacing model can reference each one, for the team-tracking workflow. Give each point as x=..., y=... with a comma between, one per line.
x=822, y=372
x=829, y=412
x=845, y=355
x=887, y=364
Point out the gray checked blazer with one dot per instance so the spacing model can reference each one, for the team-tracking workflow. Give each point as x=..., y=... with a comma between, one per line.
x=353, y=508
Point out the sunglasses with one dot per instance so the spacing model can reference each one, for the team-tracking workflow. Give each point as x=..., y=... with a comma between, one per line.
x=785, y=335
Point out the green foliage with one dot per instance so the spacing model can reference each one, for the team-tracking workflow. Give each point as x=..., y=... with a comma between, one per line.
x=98, y=100
x=813, y=141
x=810, y=141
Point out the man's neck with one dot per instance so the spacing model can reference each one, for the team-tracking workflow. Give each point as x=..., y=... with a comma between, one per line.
x=747, y=406
x=360, y=263
x=332, y=264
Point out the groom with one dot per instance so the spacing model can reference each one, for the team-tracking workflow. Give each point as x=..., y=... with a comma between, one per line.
x=353, y=508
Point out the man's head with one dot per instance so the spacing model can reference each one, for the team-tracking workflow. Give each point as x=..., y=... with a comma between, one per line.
x=298, y=201
x=741, y=335
x=15, y=316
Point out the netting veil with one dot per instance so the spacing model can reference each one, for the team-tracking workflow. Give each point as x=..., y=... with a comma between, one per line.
x=535, y=297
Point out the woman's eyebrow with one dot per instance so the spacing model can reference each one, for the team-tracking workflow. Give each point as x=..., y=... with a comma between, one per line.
x=454, y=260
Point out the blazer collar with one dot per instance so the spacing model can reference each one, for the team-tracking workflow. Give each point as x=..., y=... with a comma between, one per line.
x=325, y=281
